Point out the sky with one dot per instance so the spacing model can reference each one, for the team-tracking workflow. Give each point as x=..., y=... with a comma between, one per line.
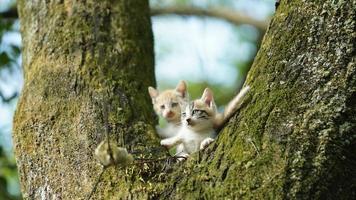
x=194, y=50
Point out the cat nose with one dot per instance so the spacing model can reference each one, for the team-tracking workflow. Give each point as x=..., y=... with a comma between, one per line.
x=170, y=114
x=189, y=120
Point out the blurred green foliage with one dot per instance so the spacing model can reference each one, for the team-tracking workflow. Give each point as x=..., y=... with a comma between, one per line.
x=9, y=58
x=8, y=177
x=5, y=59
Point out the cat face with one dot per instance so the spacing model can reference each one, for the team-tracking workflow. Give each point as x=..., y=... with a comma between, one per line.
x=167, y=103
x=199, y=114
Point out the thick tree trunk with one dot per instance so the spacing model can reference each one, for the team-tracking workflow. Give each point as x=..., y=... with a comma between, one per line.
x=295, y=136
x=79, y=57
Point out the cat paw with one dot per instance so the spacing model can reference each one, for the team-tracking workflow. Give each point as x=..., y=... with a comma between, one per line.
x=166, y=143
x=205, y=143
x=181, y=156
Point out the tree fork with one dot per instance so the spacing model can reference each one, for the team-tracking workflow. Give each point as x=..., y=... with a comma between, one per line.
x=293, y=137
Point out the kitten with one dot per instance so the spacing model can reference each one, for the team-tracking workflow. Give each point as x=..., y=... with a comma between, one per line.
x=167, y=105
x=200, y=120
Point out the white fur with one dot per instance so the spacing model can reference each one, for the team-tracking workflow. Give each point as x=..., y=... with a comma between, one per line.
x=168, y=131
x=206, y=142
x=200, y=132
x=191, y=140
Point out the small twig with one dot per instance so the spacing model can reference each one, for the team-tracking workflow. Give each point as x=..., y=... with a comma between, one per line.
x=106, y=110
x=96, y=183
x=254, y=146
x=149, y=160
x=151, y=150
x=107, y=135
x=250, y=140
x=8, y=99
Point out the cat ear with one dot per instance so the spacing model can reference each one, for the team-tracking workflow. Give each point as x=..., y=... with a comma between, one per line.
x=208, y=98
x=153, y=92
x=181, y=89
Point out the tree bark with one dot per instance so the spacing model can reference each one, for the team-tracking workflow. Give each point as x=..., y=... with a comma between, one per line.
x=80, y=58
x=295, y=136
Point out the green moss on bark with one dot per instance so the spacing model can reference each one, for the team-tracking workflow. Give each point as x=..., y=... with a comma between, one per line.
x=80, y=57
x=288, y=141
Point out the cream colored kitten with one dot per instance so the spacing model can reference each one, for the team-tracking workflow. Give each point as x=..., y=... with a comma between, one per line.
x=200, y=120
x=167, y=105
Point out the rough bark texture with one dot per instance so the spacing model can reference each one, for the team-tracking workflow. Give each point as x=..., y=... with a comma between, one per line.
x=293, y=138
x=78, y=57
x=296, y=136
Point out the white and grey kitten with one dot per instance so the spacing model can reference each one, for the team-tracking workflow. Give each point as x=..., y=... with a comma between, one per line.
x=200, y=119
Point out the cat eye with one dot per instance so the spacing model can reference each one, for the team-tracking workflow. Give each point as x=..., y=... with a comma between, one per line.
x=162, y=107
x=200, y=112
x=174, y=104
x=184, y=114
x=197, y=111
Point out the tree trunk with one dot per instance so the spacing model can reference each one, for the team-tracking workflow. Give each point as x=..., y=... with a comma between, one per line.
x=295, y=136
x=80, y=58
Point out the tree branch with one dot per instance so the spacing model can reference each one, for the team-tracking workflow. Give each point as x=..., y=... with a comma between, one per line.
x=220, y=13
x=8, y=99
x=228, y=15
